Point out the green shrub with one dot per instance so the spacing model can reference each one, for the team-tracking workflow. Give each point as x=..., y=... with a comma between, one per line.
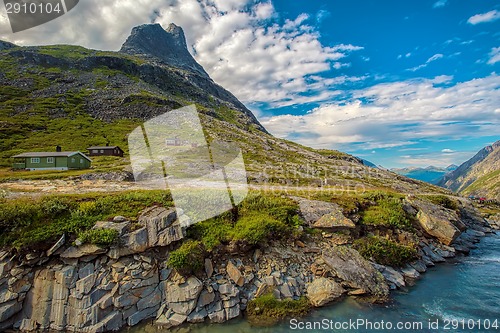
x=443, y=201
x=387, y=212
x=384, y=251
x=188, y=258
x=213, y=232
x=104, y=237
x=259, y=227
x=268, y=306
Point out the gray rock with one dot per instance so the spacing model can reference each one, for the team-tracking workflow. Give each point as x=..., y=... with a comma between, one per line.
x=170, y=235
x=174, y=320
x=348, y=265
x=57, y=245
x=285, y=291
x=86, y=270
x=113, y=321
x=125, y=301
x=187, y=291
x=9, y=309
x=234, y=274
x=152, y=300
x=141, y=315
x=419, y=266
x=6, y=295
x=119, y=219
x=391, y=275
x=209, y=268
x=323, y=291
x=410, y=272
x=228, y=290
x=217, y=317
x=197, y=316
x=81, y=251
x=5, y=267
x=334, y=221
x=232, y=312
x=434, y=257
x=136, y=241
x=83, y=286
x=205, y=298
x=119, y=227
x=27, y=325
x=437, y=221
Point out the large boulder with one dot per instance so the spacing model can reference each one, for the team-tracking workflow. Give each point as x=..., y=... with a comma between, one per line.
x=321, y=214
x=356, y=272
x=437, y=221
x=323, y=291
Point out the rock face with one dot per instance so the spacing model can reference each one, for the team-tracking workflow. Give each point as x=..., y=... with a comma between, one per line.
x=166, y=45
x=323, y=291
x=92, y=289
x=437, y=221
x=348, y=265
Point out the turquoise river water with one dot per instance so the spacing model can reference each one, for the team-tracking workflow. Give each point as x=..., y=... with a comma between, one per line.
x=459, y=296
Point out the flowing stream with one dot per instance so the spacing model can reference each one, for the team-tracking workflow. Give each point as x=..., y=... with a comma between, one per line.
x=458, y=296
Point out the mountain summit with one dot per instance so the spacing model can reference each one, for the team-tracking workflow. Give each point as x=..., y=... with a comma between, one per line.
x=168, y=46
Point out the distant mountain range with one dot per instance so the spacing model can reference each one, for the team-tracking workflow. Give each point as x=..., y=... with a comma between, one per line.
x=479, y=176
x=430, y=174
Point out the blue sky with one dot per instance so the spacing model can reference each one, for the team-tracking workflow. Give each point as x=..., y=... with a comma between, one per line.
x=400, y=83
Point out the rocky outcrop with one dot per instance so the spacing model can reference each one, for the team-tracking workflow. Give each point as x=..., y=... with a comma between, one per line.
x=323, y=215
x=323, y=291
x=166, y=45
x=88, y=288
x=6, y=45
x=357, y=273
x=437, y=221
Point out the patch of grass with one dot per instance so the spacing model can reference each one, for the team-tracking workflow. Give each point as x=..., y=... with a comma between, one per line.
x=188, y=258
x=384, y=251
x=443, y=200
x=103, y=237
x=257, y=228
x=268, y=306
x=34, y=223
x=388, y=211
x=259, y=217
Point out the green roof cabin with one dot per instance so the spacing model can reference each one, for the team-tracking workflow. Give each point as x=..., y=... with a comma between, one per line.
x=59, y=160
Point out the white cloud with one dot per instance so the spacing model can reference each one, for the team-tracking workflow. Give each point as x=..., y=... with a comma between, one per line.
x=484, y=18
x=447, y=151
x=431, y=59
x=437, y=159
x=440, y=3
x=260, y=61
x=397, y=114
x=245, y=46
x=494, y=56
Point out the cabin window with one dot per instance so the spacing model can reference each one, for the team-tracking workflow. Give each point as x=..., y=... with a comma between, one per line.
x=73, y=160
x=35, y=160
x=50, y=160
x=95, y=151
x=102, y=151
x=81, y=160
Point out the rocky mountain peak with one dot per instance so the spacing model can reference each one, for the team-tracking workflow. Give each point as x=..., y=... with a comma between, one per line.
x=167, y=46
x=6, y=45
